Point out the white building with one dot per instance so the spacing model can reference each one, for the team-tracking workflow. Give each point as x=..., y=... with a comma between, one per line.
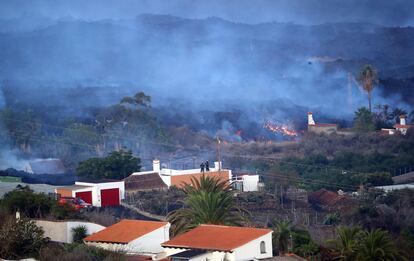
x=403, y=126
x=173, y=177
x=99, y=194
x=247, y=182
x=214, y=242
x=132, y=237
x=395, y=187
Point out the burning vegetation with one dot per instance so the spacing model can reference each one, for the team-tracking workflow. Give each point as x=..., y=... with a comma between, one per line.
x=282, y=129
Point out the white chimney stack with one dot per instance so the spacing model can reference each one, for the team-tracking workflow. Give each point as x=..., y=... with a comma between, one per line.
x=310, y=119
x=402, y=120
x=156, y=166
x=217, y=165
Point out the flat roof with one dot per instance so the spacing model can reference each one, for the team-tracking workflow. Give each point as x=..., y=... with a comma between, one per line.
x=75, y=187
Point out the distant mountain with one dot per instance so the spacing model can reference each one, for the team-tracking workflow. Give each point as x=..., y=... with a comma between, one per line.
x=208, y=57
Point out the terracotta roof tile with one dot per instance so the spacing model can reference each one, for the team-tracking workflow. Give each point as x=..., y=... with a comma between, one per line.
x=144, y=182
x=125, y=231
x=407, y=126
x=180, y=180
x=215, y=237
x=324, y=125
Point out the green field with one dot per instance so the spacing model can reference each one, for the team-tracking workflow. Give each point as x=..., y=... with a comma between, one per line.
x=10, y=179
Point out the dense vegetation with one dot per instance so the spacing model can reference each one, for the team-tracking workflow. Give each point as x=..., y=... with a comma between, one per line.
x=34, y=205
x=117, y=165
x=42, y=131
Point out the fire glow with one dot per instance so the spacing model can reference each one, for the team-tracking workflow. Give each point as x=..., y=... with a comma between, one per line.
x=280, y=128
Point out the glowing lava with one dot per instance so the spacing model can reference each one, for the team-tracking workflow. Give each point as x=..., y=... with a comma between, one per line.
x=280, y=128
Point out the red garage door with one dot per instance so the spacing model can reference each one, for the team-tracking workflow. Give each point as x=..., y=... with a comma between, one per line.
x=85, y=196
x=110, y=197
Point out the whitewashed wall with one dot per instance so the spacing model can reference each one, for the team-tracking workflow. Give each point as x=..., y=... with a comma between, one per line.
x=61, y=231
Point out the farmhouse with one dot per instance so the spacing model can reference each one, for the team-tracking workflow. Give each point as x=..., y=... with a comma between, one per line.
x=132, y=237
x=320, y=127
x=97, y=194
x=214, y=242
x=400, y=128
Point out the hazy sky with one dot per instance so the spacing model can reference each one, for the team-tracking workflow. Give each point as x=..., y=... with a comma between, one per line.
x=385, y=12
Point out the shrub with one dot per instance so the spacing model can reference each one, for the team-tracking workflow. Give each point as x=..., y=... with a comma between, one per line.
x=20, y=238
x=79, y=233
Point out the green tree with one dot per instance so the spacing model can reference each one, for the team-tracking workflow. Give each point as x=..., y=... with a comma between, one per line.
x=368, y=78
x=19, y=238
x=379, y=179
x=363, y=120
x=30, y=204
x=208, y=200
x=117, y=165
x=346, y=243
x=377, y=245
x=282, y=235
x=332, y=219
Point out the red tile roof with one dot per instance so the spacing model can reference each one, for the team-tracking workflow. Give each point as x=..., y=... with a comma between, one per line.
x=407, y=126
x=125, y=231
x=324, y=125
x=215, y=237
x=180, y=180
x=325, y=197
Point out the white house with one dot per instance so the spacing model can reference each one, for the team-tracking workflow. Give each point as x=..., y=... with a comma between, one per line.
x=214, y=242
x=403, y=126
x=172, y=177
x=132, y=237
x=98, y=194
x=247, y=182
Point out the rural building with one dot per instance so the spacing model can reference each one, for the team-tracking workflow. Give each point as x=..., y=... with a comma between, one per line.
x=403, y=126
x=395, y=187
x=214, y=242
x=247, y=182
x=45, y=166
x=161, y=178
x=330, y=200
x=97, y=194
x=319, y=128
x=400, y=128
x=132, y=237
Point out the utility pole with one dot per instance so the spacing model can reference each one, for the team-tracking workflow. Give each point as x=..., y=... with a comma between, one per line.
x=218, y=152
x=281, y=195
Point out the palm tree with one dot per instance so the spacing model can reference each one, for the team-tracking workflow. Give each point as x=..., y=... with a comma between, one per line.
x=332, y=219
x=377, y=245
x=346, y=242
x=208, y=200
x=282, y=235
x=368, y=78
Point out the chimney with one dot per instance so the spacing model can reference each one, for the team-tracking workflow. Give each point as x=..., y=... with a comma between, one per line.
x=310, y=119
x=156, y=165
x=402, y=120
x=217, y=165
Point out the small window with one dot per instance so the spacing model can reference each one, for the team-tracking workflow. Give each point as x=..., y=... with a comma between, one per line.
x=262, y=247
